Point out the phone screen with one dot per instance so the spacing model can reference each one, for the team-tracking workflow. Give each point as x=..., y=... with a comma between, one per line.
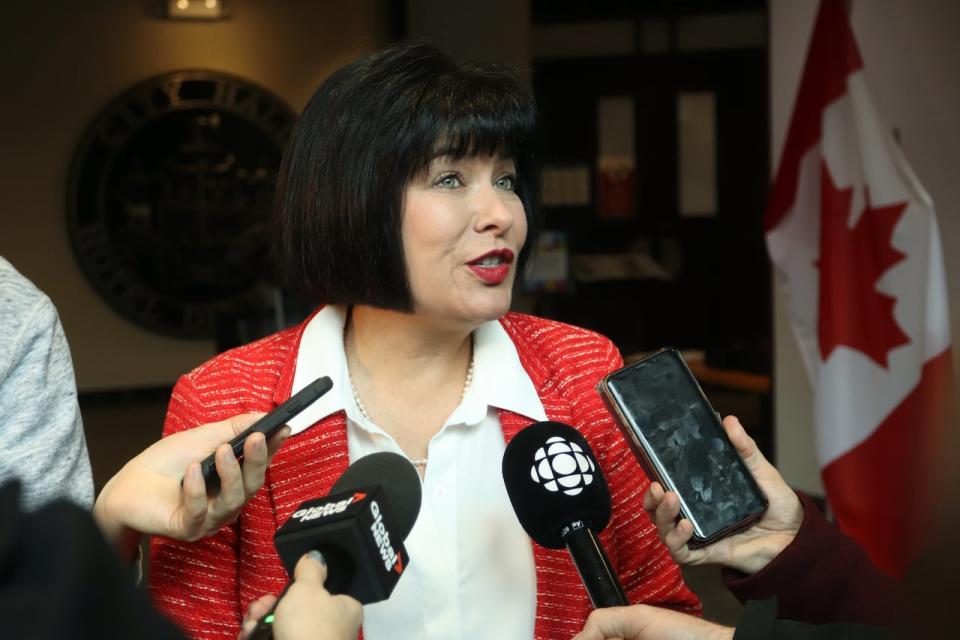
x=684, y=443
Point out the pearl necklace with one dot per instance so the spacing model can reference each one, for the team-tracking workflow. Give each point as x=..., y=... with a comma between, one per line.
x=417, y=462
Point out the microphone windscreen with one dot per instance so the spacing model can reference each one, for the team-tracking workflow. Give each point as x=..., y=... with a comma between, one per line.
x=359, y=527
x=553, y=480
x=398, y=479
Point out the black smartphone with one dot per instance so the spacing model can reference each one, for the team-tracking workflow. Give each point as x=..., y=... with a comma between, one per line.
x=680, y=442
x=267, y=425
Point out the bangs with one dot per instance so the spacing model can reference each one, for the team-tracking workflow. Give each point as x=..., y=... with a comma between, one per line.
x=474, y=113
x=469, y=133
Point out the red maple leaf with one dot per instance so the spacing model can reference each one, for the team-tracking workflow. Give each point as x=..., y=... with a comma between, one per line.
x=851, y=311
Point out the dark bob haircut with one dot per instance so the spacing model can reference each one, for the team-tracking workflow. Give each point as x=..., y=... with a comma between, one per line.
x=369, y=130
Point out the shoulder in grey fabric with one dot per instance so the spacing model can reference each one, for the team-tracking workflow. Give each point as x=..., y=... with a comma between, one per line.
x=41, y=433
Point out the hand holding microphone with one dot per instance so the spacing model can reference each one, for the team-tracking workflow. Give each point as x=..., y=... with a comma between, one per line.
x=358, y=528
x=561, y=499
x=308, y=611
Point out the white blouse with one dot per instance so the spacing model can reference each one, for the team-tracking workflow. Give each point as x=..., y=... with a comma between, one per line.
x=471, y=572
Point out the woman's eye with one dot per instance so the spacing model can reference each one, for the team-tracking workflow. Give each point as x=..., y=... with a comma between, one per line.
x=449, y=181
x=507, y=182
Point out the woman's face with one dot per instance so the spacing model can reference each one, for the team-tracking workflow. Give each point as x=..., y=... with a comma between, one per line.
x=463, y=227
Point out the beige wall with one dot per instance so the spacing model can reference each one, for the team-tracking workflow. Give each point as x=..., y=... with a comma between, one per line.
x=910, y=50
x=61, y=61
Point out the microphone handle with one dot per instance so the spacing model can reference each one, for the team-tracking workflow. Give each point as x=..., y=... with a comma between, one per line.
x=592, y=563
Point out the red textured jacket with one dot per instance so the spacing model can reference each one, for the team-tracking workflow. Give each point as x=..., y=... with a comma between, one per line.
x=206, y=585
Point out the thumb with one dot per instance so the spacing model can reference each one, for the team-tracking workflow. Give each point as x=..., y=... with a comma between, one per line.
x=215, y=433
x=745, y=445
x=240, y=422
x=312, y=568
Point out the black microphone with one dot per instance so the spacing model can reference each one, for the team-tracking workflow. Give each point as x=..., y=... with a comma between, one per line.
x=359, y=527
x=561, y=499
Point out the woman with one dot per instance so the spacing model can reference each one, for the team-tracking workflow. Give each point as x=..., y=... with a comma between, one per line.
x=404, y=203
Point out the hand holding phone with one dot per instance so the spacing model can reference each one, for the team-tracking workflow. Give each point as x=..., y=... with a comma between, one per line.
x=749, y=550
x=150, y=494
x=680, y=442
x=267, y=425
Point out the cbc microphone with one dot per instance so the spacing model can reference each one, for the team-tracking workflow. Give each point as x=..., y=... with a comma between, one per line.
x=561, y=499
x=359, y=527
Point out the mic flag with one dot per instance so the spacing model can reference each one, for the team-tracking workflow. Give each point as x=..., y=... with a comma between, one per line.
x=553, y=479
x=359, y=527
x=561, y=499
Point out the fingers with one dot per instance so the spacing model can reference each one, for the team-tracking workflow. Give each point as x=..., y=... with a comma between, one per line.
x=257, y=609
x=610, y=623
x=643, y=621
x=257, y=453
x=261, y=606
x=592, y=630
x=194, y=499
x=311, y=569
x=307, y=605
x=665, y=515
x=238, y=482
x=673, y=534
x=255, y=460
x=663, y=508
x=201, y=515
x=232, y=495
x=652, y=498
x=277, y=439
x=351, y=612
x=676, y=539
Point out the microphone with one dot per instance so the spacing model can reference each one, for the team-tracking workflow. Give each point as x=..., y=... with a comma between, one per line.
x=359, y=527
x=561, y=499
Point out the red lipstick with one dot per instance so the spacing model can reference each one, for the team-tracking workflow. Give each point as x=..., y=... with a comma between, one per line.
x=492, y=267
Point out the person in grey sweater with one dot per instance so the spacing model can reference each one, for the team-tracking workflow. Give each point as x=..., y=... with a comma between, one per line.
x=41, y=433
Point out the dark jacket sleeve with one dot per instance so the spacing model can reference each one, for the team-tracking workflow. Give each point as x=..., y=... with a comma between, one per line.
x=59, y=578
x=759, y=622
x=822, y=577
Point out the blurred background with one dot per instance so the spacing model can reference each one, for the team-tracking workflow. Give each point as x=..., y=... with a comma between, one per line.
x=140, y=138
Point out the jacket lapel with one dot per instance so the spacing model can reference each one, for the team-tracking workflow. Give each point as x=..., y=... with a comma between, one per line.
x=546, y=561
x=309, y=462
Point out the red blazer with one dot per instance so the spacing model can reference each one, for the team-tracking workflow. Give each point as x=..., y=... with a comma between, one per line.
x=205, y=586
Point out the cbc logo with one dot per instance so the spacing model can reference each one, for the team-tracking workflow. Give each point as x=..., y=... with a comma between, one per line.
x=561, y=465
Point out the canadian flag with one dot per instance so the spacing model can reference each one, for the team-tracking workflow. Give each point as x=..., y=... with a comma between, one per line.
x=855, y=244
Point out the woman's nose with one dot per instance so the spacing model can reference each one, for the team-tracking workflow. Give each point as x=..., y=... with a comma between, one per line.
x=493, y=211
